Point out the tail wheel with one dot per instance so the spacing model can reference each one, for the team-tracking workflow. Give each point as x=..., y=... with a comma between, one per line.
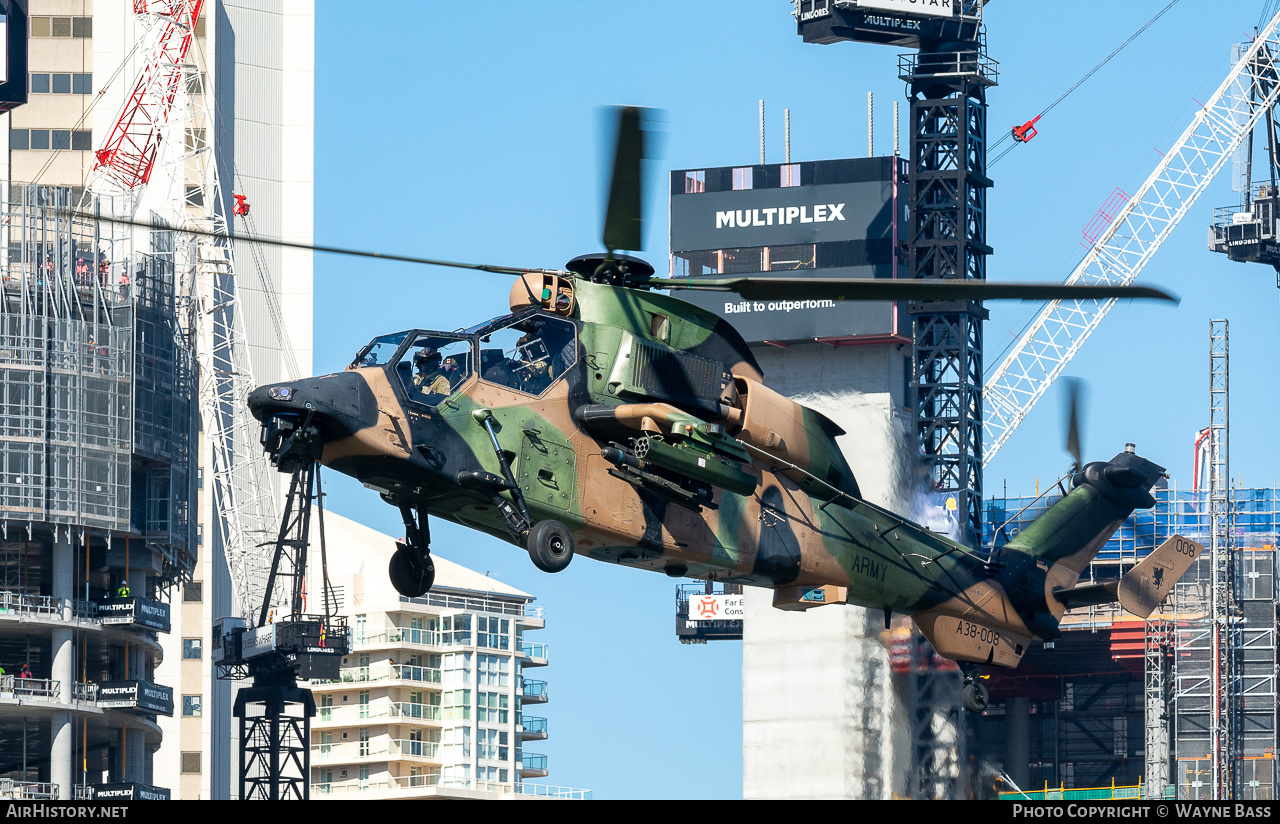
x=550, y=546
x=975, y=696
x=410, y=575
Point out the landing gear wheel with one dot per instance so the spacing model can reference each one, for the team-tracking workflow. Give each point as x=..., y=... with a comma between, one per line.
x=411, y=575
x=550, y=546
x=975, y=696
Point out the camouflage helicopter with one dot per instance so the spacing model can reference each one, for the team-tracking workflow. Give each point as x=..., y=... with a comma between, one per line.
x=600, y=417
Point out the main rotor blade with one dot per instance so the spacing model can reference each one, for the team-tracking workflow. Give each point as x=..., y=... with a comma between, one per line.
x=624, y=213
x=1074, y=387
x=809, y=288
x=309, y=247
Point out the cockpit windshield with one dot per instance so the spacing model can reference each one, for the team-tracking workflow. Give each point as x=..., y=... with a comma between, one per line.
x=380, y=350
x=433, y=366
x=528, y=353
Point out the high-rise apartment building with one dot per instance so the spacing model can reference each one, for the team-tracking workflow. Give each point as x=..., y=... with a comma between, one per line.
x=152, y=522
x=440, y=694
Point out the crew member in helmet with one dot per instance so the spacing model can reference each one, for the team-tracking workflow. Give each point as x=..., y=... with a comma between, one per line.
x=429, y=377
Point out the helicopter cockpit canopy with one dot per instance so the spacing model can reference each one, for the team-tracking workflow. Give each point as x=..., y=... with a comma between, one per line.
x=429, y=366
x=527, y=352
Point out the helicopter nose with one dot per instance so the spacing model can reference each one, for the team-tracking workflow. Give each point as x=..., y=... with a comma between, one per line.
x=338, y=405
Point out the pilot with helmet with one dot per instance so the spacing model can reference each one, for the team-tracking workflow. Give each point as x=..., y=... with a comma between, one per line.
x=429, y=376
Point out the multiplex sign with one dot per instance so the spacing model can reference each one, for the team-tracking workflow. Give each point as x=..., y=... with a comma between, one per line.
x=932, y=8
x=715, y=608
x=785, y=215
x=781, y=216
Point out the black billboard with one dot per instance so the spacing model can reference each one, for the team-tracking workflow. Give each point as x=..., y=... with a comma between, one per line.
x=140, y=695
x=139, y=612
x=13, y=54
x=831, y=218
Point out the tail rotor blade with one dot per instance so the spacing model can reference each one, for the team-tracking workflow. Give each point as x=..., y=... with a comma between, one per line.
x=1074, y=389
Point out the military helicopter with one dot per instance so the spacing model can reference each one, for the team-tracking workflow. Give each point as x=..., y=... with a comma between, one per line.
x=602, y=417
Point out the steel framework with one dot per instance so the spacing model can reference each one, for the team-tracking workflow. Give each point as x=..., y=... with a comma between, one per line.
x=948, y=218
x=1142, y=225
x=1223, y=719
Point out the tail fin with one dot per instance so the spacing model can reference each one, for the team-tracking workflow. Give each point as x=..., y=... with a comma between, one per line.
x=1048, y=556
x=1143, y=588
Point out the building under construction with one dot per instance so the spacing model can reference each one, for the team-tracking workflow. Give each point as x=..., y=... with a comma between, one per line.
x=1123, y=702
x=97, y=387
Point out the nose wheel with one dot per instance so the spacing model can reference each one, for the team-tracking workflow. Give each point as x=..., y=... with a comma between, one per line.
x=412, y=573
x=411, y=570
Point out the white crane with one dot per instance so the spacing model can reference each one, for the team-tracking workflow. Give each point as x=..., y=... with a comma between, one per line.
x=168, y=114
x=1123, y=249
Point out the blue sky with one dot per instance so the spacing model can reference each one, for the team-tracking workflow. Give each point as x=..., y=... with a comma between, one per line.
x=470, y=132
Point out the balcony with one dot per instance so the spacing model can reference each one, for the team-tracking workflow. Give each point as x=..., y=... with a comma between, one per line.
x=533, y=729
x=27, y=688
x=535, y=655
x=15, y=605
x=28, y=790
x=533, y=692
x=416, y=786
x=418, y=712
x=389, y=672
x=350, y=752
x=533, y=765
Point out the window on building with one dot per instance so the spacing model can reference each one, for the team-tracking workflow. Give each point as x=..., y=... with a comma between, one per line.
x=364, y=703
x=491, y=707
x=191, y=706
x=82, y=84
x=455, y=669
x=192, y=649
x=742, y=178
x=492, y=670
x=456, y=743
x=492, y=745
x=457, y=705
x=193, y=592
x=79, y=140
x=455, y=630
x=790, y=175
x=190, y=762
x=695, y=182
x=39, y=83
x=493, y=632
x=363, y=745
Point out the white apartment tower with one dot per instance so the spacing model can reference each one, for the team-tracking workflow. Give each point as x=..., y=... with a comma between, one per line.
x=439, y=695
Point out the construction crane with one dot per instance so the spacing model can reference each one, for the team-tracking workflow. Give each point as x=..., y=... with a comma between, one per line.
x=167, y=115
x=168, y=104
x=1141, y=225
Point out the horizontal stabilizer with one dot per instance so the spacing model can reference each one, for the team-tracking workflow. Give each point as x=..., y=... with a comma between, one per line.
x=1088, y=595
x=1143, y=588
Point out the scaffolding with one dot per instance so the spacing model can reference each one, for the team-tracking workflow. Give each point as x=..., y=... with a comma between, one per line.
x=96, y=380
x=1251, y=692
